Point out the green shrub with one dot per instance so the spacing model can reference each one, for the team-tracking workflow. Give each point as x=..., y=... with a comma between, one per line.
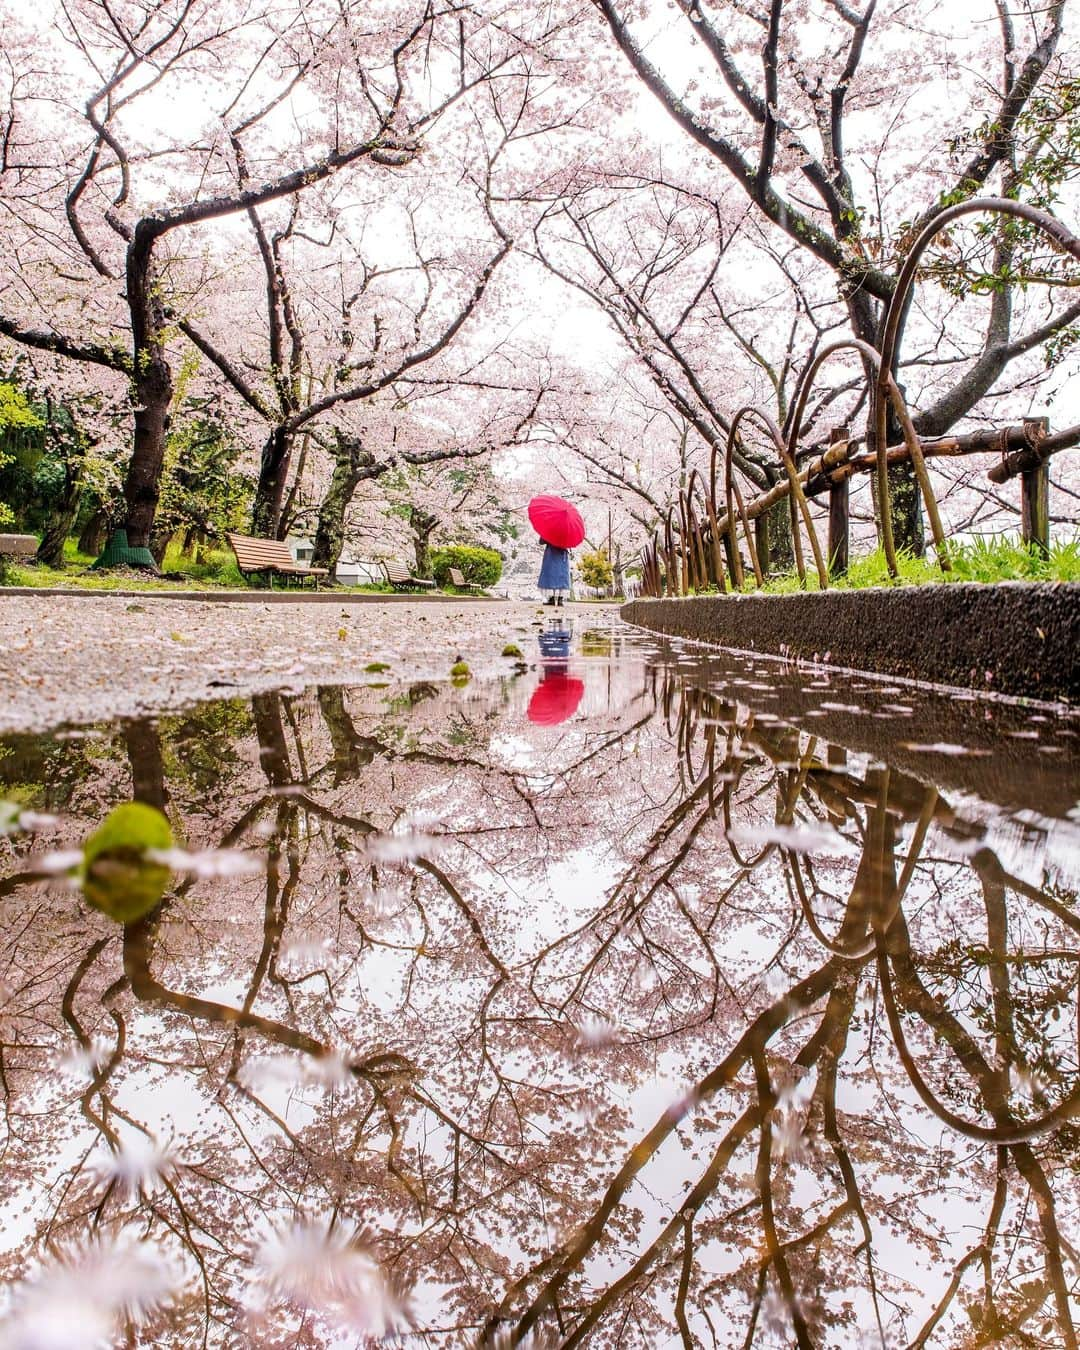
x=481, y=566
x=596, y=571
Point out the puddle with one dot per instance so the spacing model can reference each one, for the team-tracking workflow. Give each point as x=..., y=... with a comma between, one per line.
x=593, y=1005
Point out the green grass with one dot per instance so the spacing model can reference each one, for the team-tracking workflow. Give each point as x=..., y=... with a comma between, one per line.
x=991, y=559
x=215, y=570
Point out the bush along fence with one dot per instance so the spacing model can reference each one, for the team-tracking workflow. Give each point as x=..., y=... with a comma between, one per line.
x=695, y=546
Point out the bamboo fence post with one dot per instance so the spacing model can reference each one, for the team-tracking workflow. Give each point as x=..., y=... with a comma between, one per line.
x=1035, y=493
x=839, y=547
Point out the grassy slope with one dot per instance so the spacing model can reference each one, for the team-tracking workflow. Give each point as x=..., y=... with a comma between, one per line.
x=987, y=560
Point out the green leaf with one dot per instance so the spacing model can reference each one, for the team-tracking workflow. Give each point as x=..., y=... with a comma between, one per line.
x=116, y=876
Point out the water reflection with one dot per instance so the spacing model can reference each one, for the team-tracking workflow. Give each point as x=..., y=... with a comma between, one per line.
x=558, y=694
x=681, y=1025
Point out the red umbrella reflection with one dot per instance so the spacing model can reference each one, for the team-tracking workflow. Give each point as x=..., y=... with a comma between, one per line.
x=555, y=699
x=556, y=521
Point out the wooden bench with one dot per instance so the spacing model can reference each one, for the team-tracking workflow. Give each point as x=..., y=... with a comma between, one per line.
x=18, y=545
x=271, y=556
x=458, y=580
x=398, y=575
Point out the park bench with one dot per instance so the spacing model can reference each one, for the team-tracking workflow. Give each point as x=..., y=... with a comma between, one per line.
x=272, y=557
x=18, y=545
x=458, y=580
x=398, y=575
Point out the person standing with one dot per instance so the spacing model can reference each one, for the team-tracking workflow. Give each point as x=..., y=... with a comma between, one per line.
x=555, y=573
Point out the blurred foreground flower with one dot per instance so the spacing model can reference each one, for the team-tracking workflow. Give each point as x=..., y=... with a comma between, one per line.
x=119, y=875
x=329, y=1268
x=140, y=1166
x=210, y=862
x=78, y=1302
x=404, y=845
x=84, y=1061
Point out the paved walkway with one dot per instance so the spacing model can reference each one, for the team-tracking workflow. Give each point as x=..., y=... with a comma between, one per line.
x=76, y=660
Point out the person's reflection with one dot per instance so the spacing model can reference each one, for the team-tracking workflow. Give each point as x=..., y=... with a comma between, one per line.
x=558, y=694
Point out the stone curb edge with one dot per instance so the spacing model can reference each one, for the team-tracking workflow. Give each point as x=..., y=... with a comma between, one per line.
x=1020, y=639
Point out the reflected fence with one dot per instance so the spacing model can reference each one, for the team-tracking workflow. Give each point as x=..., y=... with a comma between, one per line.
x=695, y=546
x=945, y=1023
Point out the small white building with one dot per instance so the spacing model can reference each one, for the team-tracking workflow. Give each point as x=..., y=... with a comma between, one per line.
x=303, y=550
x=350, y=571
x=358, y=571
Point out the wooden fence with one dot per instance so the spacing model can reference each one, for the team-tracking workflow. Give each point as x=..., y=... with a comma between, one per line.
x=696, y=545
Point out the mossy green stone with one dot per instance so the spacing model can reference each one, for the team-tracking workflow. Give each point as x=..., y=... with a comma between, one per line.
x=116, y=876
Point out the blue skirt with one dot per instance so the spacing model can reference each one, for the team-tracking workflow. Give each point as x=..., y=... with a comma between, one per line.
x=555, y=569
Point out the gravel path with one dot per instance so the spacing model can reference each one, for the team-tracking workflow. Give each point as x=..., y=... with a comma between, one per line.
x=86, y=659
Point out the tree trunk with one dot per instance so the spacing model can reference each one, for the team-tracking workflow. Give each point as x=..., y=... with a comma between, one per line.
x=146, y=759
x=92, y=538
x=781, y=548
x=352, y=464
x=153, y=387
x=270, y=731
x=423, y=525
x=54, y=536
x=62, y=520
x=266, y=515
x=352, y=752
x=159, y=542
x=142, y=487
x=330, y=530
x=905, y=498
x=907, y=517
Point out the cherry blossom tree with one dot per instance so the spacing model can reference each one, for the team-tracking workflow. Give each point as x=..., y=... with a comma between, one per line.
x=841, y=129
x=133, y=144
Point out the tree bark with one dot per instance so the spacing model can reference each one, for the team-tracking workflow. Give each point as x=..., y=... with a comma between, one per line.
x=781, y=549
x=423, y=524
x=142, y=487
x=54, y=536
x=153, y=386
x=266, y=514
x=352, y=464
x=94, y=532
x=61, y=521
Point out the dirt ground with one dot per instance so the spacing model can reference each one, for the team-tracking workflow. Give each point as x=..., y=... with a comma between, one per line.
x=74, y=660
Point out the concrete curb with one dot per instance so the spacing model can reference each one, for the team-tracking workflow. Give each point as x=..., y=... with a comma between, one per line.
x=260, y=597
x=1015, y=638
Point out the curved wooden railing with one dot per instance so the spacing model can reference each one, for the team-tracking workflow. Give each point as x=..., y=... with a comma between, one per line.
x=695, y=546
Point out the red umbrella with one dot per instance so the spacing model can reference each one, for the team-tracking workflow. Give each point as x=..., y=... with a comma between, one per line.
x=555, y=699
x=556, y=522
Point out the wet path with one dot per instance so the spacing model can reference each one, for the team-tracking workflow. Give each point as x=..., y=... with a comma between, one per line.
x=641, y=997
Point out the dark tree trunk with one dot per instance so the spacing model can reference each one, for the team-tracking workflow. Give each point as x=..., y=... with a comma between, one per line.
x=146, y=760
x=266, y=514
x=92, y=538
x=159, y=542
x=54, y=536
x=270, y=731
x=778, y=528
x=142, y=486
x=352, y=465
x=153, y=388
x=62, y=520
x=905, y=497
x=907, y=517
x=423, y=525
x=352, y=752
x=867, y=316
